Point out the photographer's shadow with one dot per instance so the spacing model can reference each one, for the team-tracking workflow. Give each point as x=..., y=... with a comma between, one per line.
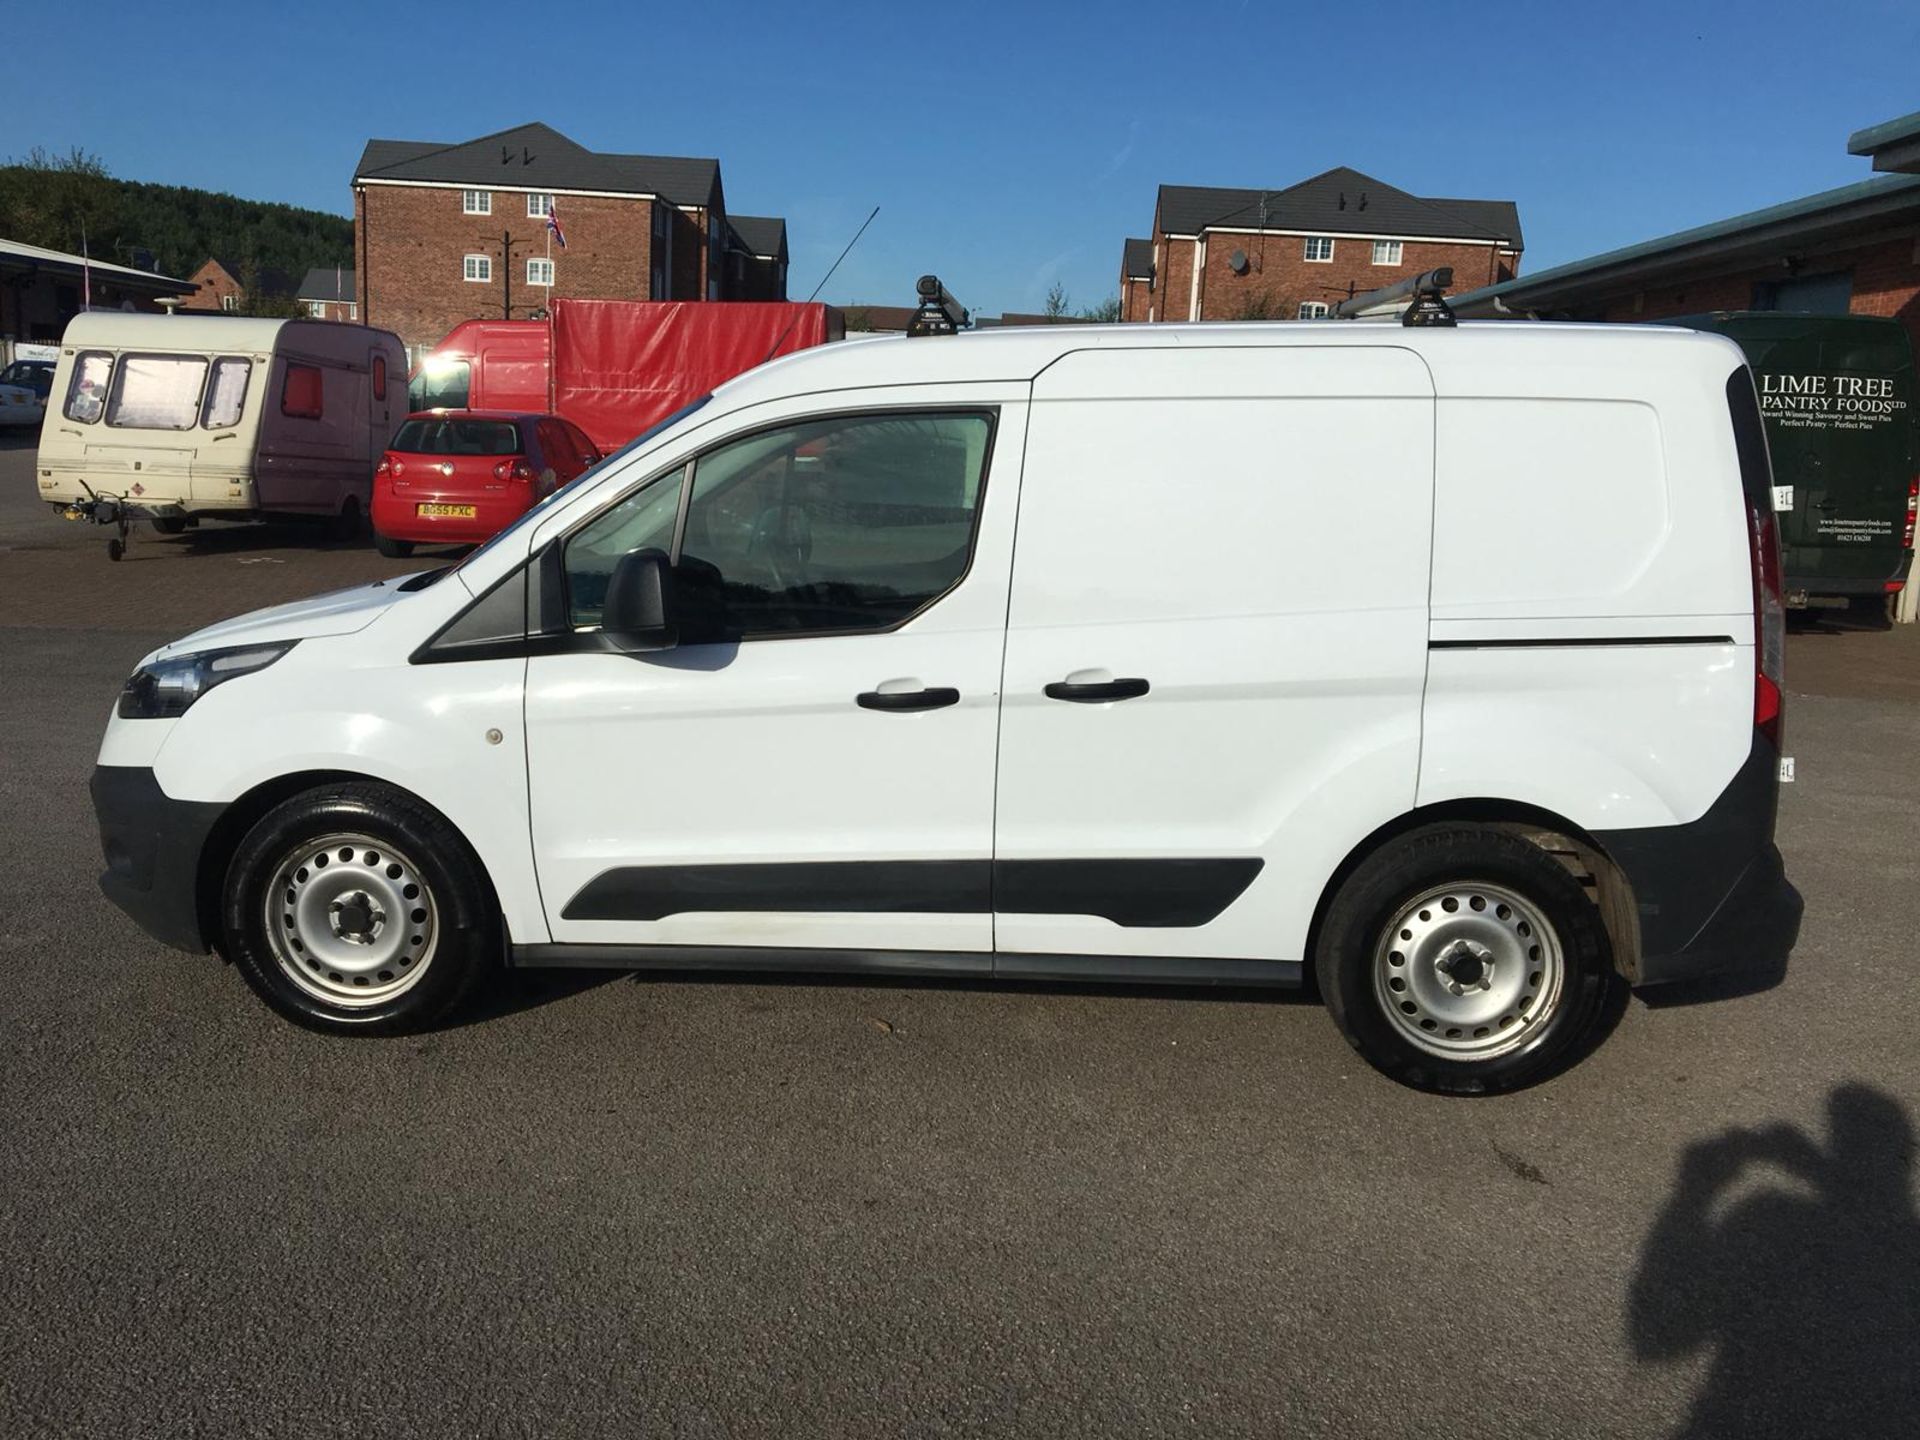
x=1798, y=1267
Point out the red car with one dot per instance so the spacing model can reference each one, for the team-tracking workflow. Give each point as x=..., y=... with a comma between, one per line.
x=458, y=477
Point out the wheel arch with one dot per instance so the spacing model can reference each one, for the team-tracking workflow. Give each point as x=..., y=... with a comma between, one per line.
x=1574, y=846
x=216, y=853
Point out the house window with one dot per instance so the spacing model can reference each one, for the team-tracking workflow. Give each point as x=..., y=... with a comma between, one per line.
x=540, y=272
x=539, y=206
x=479, y=268
x=317, y=309
x=476, y=202
x=1312, y=310
x=1320, y=248
x=229, y=303
x=353, y=310
x=1386, y=252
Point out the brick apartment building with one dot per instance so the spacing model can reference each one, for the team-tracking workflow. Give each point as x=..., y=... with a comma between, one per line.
x=445, y=233
x=1224, y=254
x=1853, y=250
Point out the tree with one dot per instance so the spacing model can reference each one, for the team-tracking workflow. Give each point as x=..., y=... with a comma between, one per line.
x=61, y=202
x=1107, y=312
x=1057, y=304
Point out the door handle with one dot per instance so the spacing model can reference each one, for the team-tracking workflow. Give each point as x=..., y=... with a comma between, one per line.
x=1090, y=692
x=934, y=697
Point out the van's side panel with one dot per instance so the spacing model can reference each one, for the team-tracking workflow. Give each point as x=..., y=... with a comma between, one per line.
x=1592, y=591
x=1248, y=531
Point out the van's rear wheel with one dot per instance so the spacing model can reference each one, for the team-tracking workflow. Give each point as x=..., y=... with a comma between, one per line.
x=1465, y=960
x=355, y=908
x=391, y=548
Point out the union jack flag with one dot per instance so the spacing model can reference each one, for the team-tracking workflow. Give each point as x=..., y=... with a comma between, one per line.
x=553, y=224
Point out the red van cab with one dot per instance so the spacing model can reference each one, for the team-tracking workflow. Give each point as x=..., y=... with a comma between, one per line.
x=458, y=477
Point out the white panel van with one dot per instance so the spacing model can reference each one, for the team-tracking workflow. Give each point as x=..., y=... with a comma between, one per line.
x=1441, y=666
x=174, y=418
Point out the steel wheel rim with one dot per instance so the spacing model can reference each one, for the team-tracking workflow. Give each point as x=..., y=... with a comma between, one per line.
x=1469, y=971
x=350, y=920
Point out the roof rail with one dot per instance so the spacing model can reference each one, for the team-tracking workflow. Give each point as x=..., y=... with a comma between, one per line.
x=1426, y=295
x=939, y=312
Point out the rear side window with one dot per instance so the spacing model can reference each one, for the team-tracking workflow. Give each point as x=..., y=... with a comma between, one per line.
x=1750, y=441
x=302, y=394
x=157, y=392
x=457, y=435
x=226, y=392
x=87, y=390
x=379, y=377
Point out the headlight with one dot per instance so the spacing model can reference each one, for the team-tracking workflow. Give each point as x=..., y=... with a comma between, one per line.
x=167, y=687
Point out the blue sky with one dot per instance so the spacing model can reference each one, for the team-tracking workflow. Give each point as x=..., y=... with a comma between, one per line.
x=1008, y=145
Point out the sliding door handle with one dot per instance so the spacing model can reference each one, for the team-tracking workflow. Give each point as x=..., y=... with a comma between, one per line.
x=1090, y=692
x=934, y=697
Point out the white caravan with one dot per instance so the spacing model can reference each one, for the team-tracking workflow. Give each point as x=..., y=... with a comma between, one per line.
x=1444, y=663
x=174, y=418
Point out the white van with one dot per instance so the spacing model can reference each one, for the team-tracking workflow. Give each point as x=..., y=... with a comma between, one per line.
x=1442, y=664
x=176, y=417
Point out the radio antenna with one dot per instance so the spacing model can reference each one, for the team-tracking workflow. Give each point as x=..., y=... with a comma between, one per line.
x=823, y=282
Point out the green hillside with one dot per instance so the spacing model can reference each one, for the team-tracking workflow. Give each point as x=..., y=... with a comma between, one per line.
x=46, y=200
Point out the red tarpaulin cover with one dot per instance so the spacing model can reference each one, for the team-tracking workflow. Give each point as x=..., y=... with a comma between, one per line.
x=620, y=365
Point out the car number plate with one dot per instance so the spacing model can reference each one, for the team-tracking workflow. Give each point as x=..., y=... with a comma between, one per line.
x=451, y=512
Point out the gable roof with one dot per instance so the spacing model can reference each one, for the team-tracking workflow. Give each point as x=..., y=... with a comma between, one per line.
x=762, y=236
x=1137, y=261
x=267, y=280
x=536, y=155
x=1337, y=201
x=328, y=282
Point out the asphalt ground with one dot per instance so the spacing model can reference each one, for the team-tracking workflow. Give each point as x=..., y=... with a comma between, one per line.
x=667, y=1206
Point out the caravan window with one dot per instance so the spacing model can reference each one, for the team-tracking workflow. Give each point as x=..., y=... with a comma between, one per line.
x=301, y=392
x=227, y=395
x=157, y=392
x=87, y=391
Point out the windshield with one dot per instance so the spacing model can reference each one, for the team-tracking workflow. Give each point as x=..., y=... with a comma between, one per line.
x=538, y=511
x=441, y=385
x=454, y=435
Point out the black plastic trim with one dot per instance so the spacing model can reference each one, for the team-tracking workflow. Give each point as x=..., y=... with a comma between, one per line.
x=1577, y=642
x=1165, y=893
x=1685, y=879
x=152, y=846
x=1093, y=692
x=958, y=964
x=934, y=697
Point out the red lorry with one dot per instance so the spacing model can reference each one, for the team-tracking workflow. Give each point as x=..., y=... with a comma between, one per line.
x=612, y=367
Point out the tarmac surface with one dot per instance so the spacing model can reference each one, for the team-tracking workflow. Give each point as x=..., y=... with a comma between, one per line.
x=672, y=1206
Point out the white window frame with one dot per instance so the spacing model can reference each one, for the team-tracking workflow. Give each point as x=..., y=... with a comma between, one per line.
x=1388, y=252
x=477, y=269
x=539, y=205
x=539, y=271
x=1314, y=242
x=229, y=303
x=476, y=202
x=316, y=309
x=1313, y=310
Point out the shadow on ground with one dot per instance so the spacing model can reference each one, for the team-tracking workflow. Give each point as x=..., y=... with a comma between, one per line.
x=1796, y=1266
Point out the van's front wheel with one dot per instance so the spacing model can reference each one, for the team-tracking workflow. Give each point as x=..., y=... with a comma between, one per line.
x=355, y=908
x=1464, y=960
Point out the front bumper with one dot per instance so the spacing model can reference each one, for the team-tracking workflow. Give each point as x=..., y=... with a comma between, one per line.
x=153, y=844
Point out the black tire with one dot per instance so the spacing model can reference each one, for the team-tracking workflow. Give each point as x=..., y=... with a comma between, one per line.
x=116, y=549
x=169, y=525
x=391, y=548
x=1354, y=941
x=463, y=945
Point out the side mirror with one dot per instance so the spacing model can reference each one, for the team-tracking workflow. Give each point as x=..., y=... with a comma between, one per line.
x=638, y=614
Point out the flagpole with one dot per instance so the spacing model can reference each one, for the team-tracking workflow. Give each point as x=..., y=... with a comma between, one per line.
x=549, y=307
x=86, y=272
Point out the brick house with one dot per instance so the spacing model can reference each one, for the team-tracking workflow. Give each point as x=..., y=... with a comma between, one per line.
x=329, y=293
x=445, y=233
x=1224, y=254
x=1853, y=250
x=220, y=285
x=756, y=258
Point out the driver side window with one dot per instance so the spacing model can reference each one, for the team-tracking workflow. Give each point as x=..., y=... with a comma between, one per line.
x=825, y=526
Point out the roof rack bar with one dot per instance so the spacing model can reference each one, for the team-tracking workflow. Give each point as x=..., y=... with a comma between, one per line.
x=1426, y=292
x=939, y=312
